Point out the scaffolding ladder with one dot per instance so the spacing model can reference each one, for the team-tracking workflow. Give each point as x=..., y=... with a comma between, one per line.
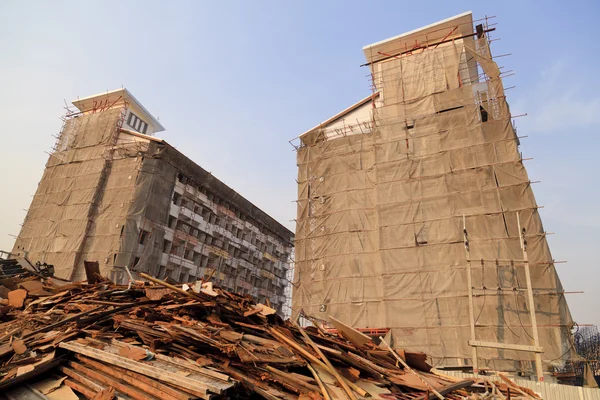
x=474, y=343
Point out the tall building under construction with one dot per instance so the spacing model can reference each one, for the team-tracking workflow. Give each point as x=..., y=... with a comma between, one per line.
x=114, y=193
x=416, y=213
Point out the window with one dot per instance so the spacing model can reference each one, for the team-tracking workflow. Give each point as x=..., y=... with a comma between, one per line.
x=136, y=123
x=177, y=198
x=166, y=246
x=143, y=236
x=183, y=276
x=483, y=113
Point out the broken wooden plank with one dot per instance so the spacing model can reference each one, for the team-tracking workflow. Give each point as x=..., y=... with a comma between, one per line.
x=62, y=393
x=45, y=386
x=87, y=382
x=18, y=346
x=258, y=386
x=215, y=382
x=17, y=297
x=324, y=391
x=314, y=359
x=405, y=365
x=118, y=384
x=514, y=386
x=92, y=271
x=358, y=338
x=157, y=390
x=161, y=375
x=117, y=371
x=290, y=377
x=454, y=386
x=78, y=387
x=331, y=368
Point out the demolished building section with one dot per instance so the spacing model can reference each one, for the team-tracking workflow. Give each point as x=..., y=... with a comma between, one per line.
x=400, y=194
x=114, y=193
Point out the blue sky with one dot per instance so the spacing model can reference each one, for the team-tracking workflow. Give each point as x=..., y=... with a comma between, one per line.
x=233, y=81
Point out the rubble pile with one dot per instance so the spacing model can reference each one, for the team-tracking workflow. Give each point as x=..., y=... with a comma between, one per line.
x=154, y=340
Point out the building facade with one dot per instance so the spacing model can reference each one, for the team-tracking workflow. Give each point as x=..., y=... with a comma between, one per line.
x=416, y=213
x=114, y=193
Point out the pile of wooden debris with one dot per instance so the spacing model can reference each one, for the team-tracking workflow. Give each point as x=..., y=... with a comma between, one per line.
x=153, y=340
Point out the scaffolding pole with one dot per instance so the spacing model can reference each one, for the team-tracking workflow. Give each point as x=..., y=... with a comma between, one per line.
x=536, y=341
x=470, y=291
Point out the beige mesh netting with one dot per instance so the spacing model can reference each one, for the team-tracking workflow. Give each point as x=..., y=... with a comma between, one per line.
x=92, y=200
x=379, y=240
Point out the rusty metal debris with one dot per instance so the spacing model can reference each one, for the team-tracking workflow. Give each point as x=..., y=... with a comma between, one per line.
x=153, y=340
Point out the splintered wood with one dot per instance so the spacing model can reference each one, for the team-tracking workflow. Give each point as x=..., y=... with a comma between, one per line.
x=155, y=340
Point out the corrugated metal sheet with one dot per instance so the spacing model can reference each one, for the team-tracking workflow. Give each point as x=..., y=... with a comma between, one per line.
x=548, y=391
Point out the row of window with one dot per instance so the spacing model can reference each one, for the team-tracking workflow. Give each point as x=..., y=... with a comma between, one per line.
x=224, y=221
x=209, y=216
x=200, y=260
x=136, y=123
x=222, y=202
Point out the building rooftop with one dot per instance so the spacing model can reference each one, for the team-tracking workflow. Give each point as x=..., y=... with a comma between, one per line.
x=342, y=113
x=108, y=98
x=449, y=28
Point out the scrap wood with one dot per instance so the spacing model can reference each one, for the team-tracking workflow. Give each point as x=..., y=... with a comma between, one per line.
x=356, y=337
x=157, y=293
x=294, y=379
x=165, y=376
x=45, y=386
x=168, y=285
x=316, y=360
x=130, y=387
x=84, y=390
x=496, y=390
x=135, y=353
x=335, y=373
x=106, y=394
x=62, y=393
x=18, y=346
x=137, y=386
x=144, y=381
x=252, y=312
x=82, y=379
x=184, y=345
x=324, y=392
x=34, y=287
x=429, y=386
x=204, y=287
x=17, y=297
x=519, y=389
